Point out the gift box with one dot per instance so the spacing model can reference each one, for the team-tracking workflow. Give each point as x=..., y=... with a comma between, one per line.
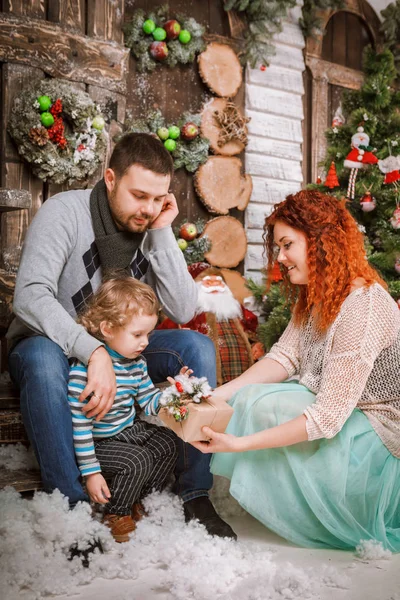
x=213, y=412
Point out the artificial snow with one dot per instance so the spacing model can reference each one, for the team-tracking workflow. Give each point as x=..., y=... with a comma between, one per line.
x=35, y=536
x=16, y=456
x=372, y=550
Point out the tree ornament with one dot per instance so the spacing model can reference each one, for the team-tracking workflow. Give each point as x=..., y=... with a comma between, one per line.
x=395, y=220
x=319, y=180
x=358, y=158
x=44, y=103
x=170, y=145
x=367, y=202
x=263, y=67
x=276, y=273
x=390, y=166
x=331, y=180
x=173, y=29
x=47, y=119
x=338, y=118
x=185, y=36
x=159, y=34
x=158, y=50
x=149, y=26
x=56, y=158
x=39, y=136
x=174, y=132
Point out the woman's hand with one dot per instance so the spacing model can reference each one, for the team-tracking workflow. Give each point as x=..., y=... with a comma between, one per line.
x=185, y=371
x=219, y=442
x=97, y=488
x=101, y=383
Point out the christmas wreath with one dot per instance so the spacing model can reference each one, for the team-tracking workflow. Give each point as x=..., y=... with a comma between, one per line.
x=188, y=148
x=191, y=241
x=154, y=39
x=59, y=130
x=185, y=390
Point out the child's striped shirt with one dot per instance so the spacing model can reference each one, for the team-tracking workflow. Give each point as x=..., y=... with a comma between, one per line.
x=133, y=385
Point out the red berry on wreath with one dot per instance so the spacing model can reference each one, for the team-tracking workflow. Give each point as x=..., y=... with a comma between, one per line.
x=56, y=109
x=179, y=386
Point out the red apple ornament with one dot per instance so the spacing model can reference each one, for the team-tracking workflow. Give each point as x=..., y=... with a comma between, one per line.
x=189, y=131
x=188, y=231
x=158, y=50
x=173, y=29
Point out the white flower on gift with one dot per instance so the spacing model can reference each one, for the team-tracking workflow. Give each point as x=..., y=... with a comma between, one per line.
x=74, y=114
x=52, y=162
x=361, y=228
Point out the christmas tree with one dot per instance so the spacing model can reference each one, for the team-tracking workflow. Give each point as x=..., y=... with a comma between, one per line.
x=331, y=180
x=366, y=151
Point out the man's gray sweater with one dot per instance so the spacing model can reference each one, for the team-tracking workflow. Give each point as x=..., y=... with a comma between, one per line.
x=60, y=269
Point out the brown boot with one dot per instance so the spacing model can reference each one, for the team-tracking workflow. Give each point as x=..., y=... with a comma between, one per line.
x=120, y=526
x=138, y=511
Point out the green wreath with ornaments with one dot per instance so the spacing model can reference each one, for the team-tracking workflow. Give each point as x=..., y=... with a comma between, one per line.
x=156, y=39
x=59, y=131
x=182, y=139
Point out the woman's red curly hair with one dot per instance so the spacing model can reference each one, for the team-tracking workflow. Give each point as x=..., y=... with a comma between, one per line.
x=336, y=254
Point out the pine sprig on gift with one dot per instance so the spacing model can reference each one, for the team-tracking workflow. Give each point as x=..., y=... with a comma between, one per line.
x=176, y=397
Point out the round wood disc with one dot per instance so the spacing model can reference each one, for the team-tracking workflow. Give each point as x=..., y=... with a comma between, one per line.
x=220, y=184
x=210, y=129
x=228, y=242
x=220, y=69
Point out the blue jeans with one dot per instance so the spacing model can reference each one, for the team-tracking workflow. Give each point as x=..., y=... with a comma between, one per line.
x=40, y=369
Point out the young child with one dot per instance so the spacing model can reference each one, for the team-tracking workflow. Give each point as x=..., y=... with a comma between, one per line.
x=139, y=456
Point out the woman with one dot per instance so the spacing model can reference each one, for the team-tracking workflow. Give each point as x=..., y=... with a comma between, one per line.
x=317, y=460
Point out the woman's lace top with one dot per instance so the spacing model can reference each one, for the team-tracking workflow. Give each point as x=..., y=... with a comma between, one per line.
x=354, y=364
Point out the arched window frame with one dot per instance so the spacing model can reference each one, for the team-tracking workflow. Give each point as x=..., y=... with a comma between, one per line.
x=323, y=73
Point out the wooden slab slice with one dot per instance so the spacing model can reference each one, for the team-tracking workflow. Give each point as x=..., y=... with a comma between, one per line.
x=220, y=184
x=210, y=129
x=220, y=69
x=228, y=242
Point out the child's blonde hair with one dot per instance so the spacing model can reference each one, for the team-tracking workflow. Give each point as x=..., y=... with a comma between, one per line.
x=116, y=301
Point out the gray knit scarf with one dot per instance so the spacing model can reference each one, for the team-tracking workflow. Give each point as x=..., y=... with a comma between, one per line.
x=116, y=248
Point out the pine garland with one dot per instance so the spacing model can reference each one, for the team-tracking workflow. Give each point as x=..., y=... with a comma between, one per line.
x=264, y=21
x=310, y=22
x=186, y=154
x=139, y=42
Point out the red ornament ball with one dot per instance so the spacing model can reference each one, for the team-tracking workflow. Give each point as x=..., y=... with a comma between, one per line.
x=263, y=67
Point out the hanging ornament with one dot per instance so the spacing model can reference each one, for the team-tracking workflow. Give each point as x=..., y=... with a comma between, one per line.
x=319, y=180
x=358, y=158
x=368, y=202
x=276, y=273
x=263, y=67
x=338, y=118
x=331, y=180
x=395, y=220
x=390, y=166
x=397, y=266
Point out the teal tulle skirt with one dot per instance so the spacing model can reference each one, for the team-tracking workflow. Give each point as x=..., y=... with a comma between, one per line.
x=329, y=493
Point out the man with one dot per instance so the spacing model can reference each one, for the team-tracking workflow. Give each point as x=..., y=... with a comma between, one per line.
x=75, y=239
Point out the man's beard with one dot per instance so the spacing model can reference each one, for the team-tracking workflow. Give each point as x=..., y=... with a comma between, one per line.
x=124, y=222
x=222, y=304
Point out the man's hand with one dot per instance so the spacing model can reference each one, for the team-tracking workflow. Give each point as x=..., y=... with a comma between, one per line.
x=219, y=442
x=101, y=383
x=168, y=213
x=97, y=488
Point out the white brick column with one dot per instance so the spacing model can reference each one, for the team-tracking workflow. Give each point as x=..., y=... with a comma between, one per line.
x=274, y=152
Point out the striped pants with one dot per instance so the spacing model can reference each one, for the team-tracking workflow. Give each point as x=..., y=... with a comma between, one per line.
x=139, y=459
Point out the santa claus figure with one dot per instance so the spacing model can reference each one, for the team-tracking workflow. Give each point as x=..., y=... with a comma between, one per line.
x=220, y=316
